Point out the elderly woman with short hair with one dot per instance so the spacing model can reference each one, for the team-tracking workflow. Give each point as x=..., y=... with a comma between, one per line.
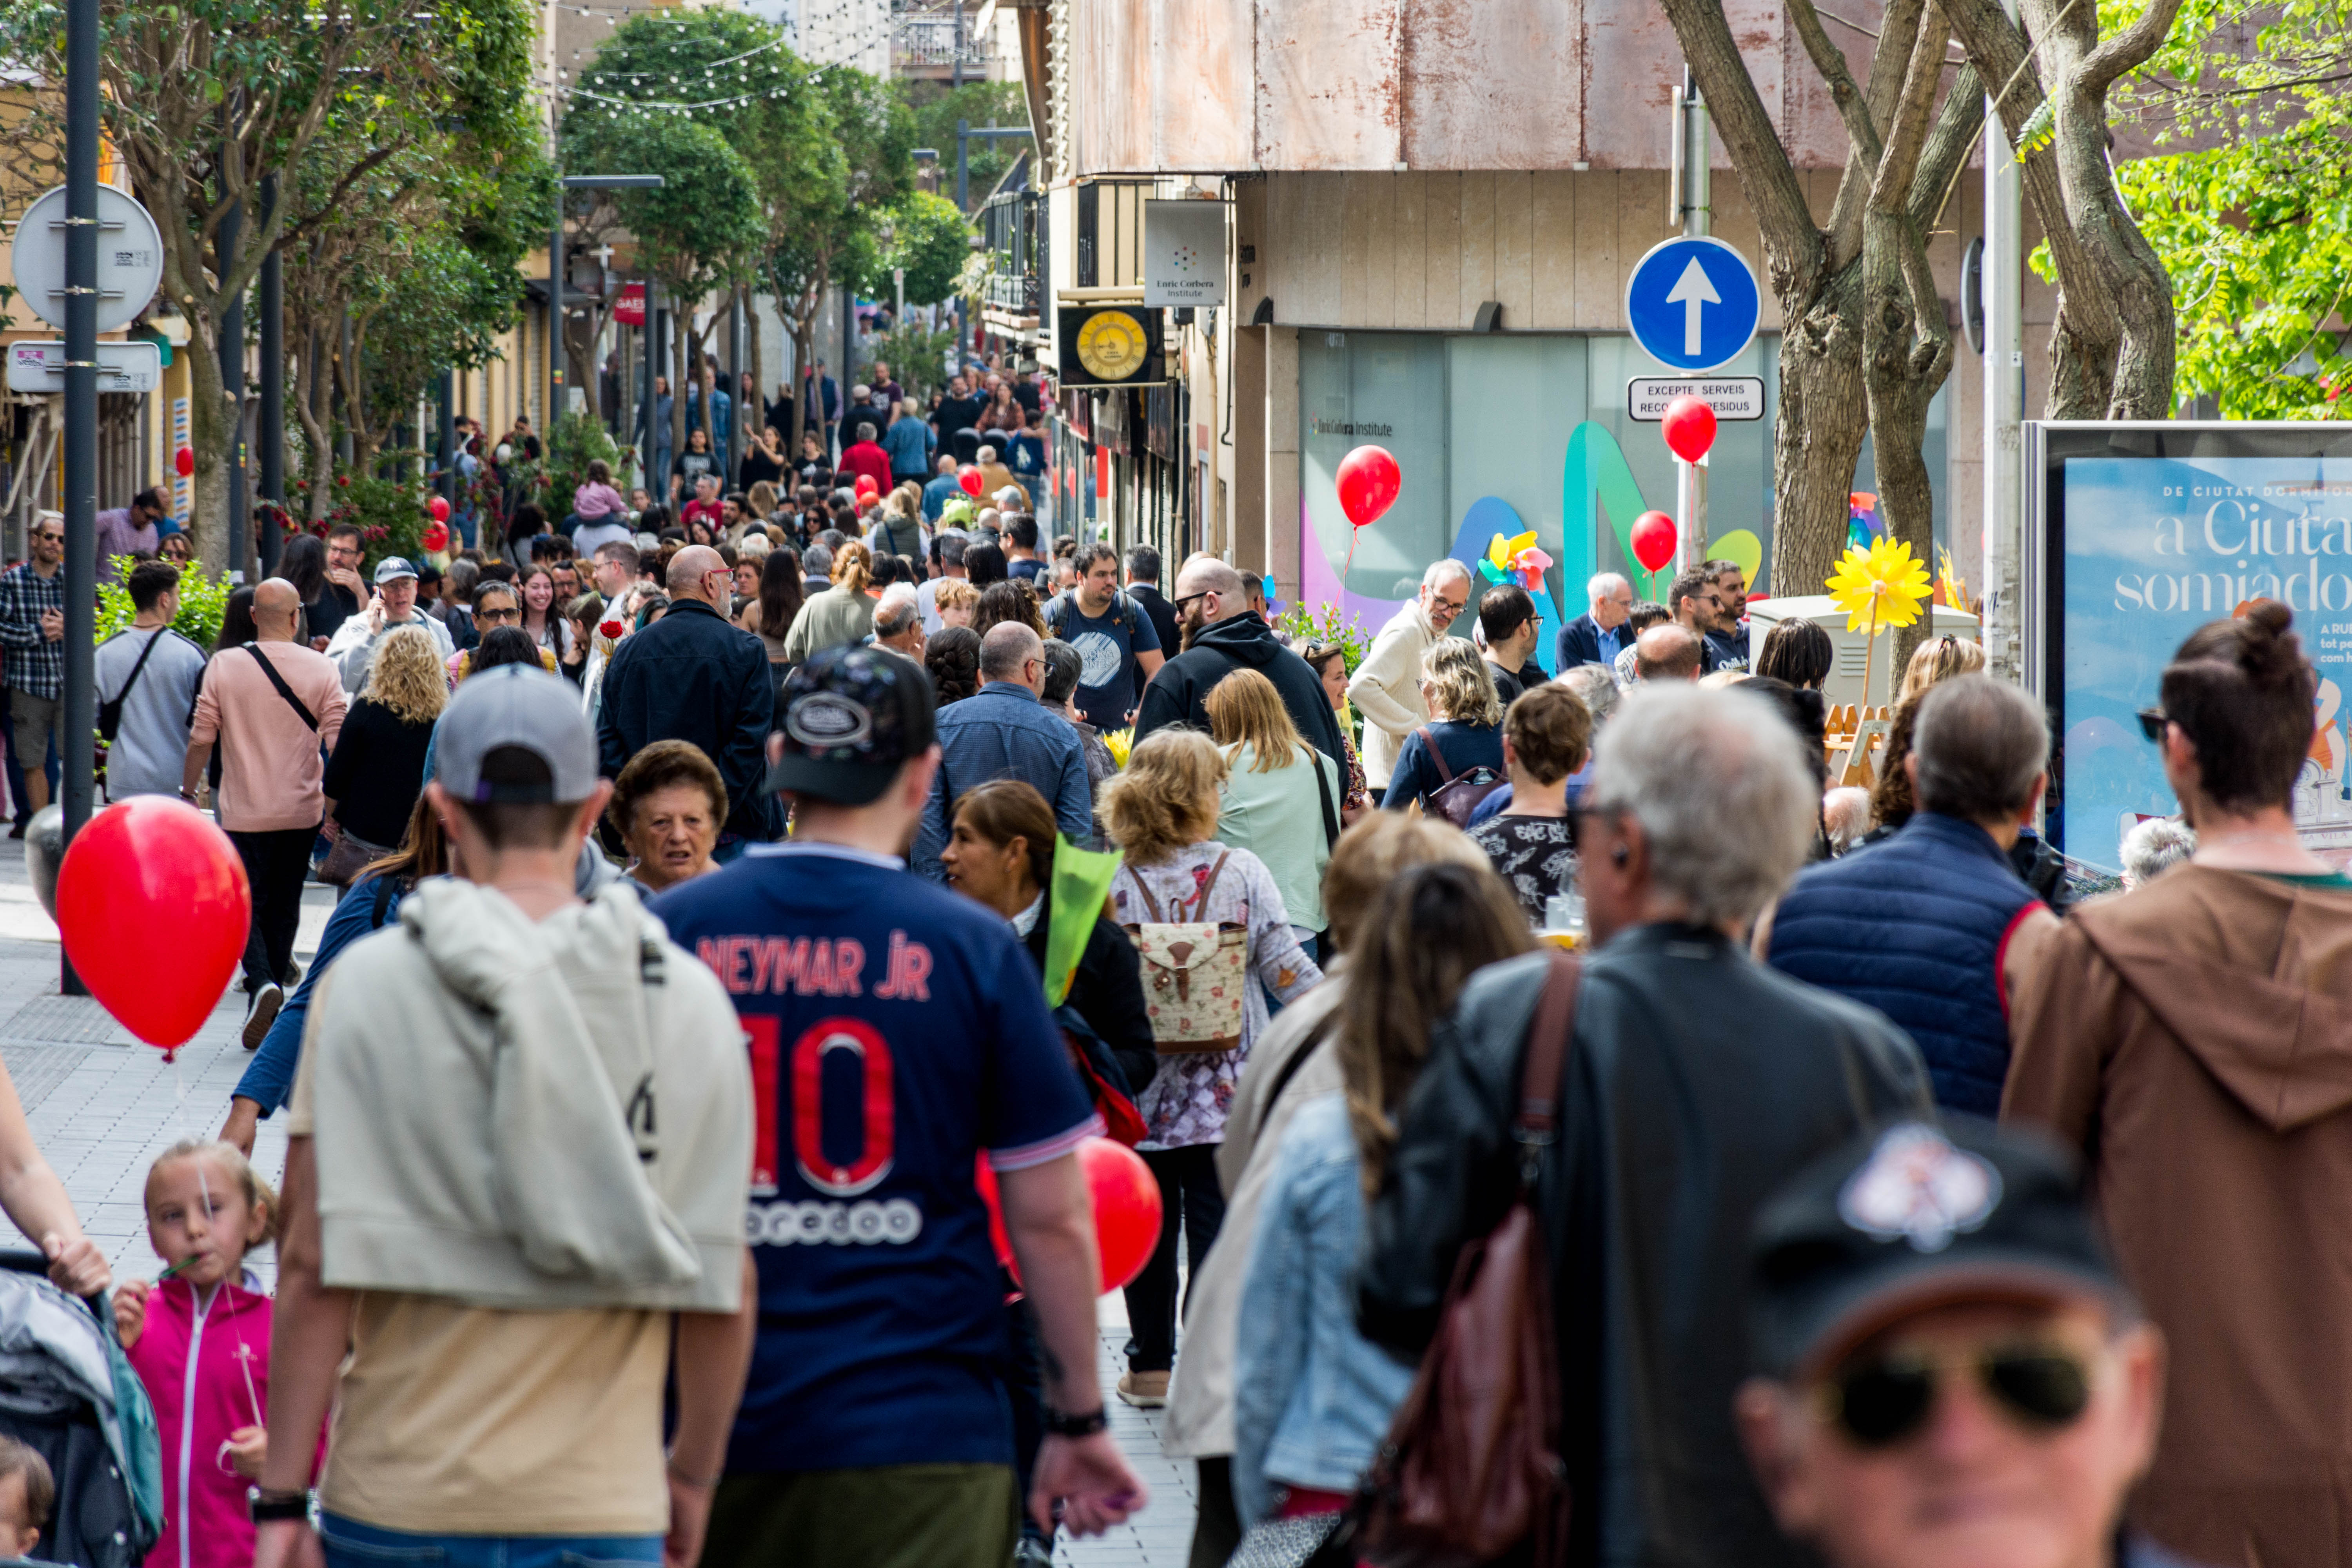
x=667, y=808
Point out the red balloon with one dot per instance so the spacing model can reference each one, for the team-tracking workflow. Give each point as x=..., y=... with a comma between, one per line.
x=867, y=486
x=1689, y=427
x=183, y=461
x=1653, y=540
x=1126, y=1201
x=437, y=537
x=438, y=507
x=1367, y=483
x=160, y=868
x=971, y=481
x=1126, y=1208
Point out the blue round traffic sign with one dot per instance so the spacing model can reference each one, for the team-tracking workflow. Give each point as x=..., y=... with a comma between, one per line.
x=1693, y=303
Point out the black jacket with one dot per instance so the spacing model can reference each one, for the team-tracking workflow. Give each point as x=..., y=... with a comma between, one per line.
x=692, y=676
x=1179, y=694
x=1107, y=993
x=1698, y=1083
x=1163, y=617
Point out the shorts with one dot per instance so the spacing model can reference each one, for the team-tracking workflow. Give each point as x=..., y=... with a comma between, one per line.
x=896, y=1516
x=32, y=720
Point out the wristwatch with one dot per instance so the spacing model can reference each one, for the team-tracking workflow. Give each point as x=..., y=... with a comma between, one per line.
x=1084, y=1425
x=267, y=1506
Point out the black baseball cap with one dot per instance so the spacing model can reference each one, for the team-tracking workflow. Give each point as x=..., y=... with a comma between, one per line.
x=851, y=718
x=1913, y=1217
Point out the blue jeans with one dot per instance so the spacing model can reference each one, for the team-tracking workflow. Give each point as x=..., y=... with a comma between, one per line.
x=350, y=1544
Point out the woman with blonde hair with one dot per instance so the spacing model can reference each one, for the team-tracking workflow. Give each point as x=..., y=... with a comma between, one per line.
x=840, y=615
x=761, y=498
x=1463, y=737
x=377, y=770
x=1161, y=813
x=1286, y=815
x=898, y=525
x=1933, y=662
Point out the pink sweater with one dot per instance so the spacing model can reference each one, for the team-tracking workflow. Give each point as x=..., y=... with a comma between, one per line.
x=208, y=1376
x=593, y=502
x=270, y=766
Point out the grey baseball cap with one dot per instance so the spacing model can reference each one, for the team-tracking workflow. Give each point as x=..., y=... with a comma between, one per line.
x=391, y=569
x=521, y=706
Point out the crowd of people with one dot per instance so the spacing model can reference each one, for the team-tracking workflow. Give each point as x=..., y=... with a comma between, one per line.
x=1892, y=1202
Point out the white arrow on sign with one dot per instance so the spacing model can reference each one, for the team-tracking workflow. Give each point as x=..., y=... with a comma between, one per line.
x=1691, y=291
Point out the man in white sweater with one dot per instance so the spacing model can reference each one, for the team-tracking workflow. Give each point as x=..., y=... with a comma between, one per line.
x=1386, y=687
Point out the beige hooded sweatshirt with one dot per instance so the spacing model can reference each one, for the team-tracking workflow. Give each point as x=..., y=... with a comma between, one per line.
x=529, y=1114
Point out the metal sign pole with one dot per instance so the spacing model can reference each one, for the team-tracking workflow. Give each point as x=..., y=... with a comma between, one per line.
x=80, y=720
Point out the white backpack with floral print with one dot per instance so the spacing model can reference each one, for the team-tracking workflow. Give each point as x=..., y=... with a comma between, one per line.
x=1195, y=975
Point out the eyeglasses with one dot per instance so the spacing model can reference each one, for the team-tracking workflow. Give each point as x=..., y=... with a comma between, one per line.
x=497, y=617
x=1188, y=598
x=2152, y=722
x=1883, y=1400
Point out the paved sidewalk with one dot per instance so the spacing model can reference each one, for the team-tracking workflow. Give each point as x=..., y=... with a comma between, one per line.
x=103, y=1107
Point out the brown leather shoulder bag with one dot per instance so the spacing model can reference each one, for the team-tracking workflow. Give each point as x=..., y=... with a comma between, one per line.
x=1472, y=1465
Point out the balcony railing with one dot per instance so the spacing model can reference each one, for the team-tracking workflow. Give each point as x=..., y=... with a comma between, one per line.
x=931, y=41
x=1012, y=226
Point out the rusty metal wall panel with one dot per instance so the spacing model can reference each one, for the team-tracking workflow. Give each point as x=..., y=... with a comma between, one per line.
x=1201, y=73
x=1493, y=86
x=1328, y=84
x=1201, y=86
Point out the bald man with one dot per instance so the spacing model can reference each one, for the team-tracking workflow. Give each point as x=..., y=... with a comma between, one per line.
x=1222, y=633
x=273, y=705
x=692, y=676
x=1667, y=651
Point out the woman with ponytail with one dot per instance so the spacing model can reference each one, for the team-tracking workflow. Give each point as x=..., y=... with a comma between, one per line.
x=840, y=615
x=2193, y=1039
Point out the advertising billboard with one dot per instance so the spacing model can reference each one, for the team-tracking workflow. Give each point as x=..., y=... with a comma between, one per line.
x=2138, y=534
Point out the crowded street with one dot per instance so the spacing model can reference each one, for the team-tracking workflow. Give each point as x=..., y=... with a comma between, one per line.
x=1275, y=783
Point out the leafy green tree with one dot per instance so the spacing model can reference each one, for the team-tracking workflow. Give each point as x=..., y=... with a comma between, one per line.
x=2253, y=217
x=936, y=109
x=207, y=102
x=716, y=103
x=930, y=239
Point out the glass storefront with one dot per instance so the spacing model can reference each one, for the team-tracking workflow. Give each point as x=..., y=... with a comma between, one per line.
x=1484, y=420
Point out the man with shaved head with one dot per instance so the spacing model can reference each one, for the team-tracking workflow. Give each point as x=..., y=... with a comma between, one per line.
x=272, y=705
x=693, y=676
x=1002, y=731
x=1668, y=651
x=1222, y=633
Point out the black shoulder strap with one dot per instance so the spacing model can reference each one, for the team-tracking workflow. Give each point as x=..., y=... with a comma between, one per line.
x=120, y=698
x=384, y=887
x=1323, y=789
x=278, y=681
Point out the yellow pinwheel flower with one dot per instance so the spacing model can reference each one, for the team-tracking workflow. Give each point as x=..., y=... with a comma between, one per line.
x=1879, y=587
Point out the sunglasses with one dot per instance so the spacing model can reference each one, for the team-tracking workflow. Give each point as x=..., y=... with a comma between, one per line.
x=1881, y=1401
x=2152, y=722
x=498, y=617
x=1188, y=598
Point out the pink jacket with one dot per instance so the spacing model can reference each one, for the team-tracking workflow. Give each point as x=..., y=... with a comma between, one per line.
x=208, y=1376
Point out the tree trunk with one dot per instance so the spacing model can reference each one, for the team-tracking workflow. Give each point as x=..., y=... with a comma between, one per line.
x=318, y=451
x=757, y=365
x=676, y=406
x=1817, y=439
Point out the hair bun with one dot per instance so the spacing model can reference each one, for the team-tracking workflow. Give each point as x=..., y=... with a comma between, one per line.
x=2268, y=651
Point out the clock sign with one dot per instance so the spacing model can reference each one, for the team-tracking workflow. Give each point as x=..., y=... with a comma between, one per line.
x=1110, y=345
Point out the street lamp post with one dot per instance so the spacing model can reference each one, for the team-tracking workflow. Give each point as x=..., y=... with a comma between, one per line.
x=80, y=717
x=555, y=353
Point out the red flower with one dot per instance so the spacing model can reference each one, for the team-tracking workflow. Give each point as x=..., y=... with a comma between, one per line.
x=343, y=481
x=612, y=629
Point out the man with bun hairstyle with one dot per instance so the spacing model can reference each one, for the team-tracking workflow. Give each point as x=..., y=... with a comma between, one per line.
x=2194, y=1039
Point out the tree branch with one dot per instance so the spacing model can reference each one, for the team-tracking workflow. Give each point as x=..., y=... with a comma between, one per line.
x=1792, y=241
x=2127, y=50
x=1844, y=92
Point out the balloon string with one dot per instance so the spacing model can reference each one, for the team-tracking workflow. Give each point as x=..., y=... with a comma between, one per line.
x=1353, y=535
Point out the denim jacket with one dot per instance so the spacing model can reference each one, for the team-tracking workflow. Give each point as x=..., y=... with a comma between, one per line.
x=1001, y=732
x=1312, y=1397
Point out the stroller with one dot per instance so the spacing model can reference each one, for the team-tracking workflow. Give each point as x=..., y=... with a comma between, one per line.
x=67, y=1392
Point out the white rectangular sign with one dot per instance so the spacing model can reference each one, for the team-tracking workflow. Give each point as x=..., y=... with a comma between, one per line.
x=1184, y=253
x=1731, y=396
x=121, y=367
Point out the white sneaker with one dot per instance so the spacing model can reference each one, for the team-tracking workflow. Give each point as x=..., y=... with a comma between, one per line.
x=260, y=1012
